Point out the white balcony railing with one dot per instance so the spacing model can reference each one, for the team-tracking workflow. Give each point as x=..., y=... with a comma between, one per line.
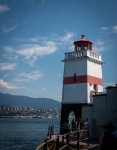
x=83, y=53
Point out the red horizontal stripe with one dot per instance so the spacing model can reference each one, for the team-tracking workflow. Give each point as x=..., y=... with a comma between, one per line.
x=82, y=79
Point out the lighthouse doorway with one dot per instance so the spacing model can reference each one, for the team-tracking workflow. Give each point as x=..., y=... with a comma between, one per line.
x=71, y=116
x=72, y=110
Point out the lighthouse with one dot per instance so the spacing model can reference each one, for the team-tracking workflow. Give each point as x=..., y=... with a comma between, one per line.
x=82, y=78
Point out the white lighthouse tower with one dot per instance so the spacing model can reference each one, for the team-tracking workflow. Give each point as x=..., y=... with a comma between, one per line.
x=82, y=77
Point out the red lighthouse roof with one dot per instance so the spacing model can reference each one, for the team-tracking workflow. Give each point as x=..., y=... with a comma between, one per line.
x=83, y=44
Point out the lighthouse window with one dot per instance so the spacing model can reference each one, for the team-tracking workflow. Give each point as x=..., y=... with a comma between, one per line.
x=95, y=87
x=79, y=48
x=74, y=76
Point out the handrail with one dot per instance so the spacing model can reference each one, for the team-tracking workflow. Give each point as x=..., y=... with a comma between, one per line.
x=63, y=141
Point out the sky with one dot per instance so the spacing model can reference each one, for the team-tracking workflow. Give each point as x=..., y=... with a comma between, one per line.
x=35, y=34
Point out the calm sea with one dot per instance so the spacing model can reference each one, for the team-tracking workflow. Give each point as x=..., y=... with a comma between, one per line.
x=25, y=133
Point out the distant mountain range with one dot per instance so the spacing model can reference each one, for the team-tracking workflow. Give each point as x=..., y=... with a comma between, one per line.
x=15, y=100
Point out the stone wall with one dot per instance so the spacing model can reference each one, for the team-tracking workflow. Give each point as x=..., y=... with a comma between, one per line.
x=103, y=110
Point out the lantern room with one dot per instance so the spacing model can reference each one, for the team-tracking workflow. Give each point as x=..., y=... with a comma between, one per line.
x=83, y=44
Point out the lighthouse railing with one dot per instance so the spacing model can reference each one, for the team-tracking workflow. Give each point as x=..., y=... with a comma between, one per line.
x=73, y=54
x=82, y=53
x=64, y=141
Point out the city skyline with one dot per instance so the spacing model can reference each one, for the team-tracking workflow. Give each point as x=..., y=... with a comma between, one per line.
x=35, y=35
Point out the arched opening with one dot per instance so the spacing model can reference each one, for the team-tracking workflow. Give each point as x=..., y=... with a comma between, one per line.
x=71, y=116
x=73, y=121
x=69, y=111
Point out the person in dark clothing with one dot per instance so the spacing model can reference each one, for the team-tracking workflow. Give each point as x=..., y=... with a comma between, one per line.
x=86, y=124
x=108, y=139
x=73, y=123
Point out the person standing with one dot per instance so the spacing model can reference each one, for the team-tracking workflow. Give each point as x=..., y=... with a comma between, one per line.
x=68, y=126
x=73, y=123
x=85, y=132
x=86, y=124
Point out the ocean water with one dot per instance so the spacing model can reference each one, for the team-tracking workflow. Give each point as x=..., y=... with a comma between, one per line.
x=25, y=133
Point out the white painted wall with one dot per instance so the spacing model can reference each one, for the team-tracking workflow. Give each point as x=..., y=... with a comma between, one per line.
x=77, y=66
x=90, y=91
x=94, y=55
x=99, y=88
x=75, y=93
x=81, y=92
x=82, y=67
x=94, y=69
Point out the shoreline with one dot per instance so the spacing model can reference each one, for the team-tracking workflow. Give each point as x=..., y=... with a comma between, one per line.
x=26, y=117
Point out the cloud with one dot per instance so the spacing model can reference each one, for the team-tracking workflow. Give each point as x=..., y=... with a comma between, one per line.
x=67, y=37
x=109, y=29
x=59, y=75
x=7, y=29
x=114, y=28
x=8, y=49
x=109, y=84
x=36, y=47
x=7, y=66
x=33, y=51
x=104, y=28
x=98, y=45
x=3, y=8
x=38, y=50
x=33, y=76
x=44, y=88
x=9, y=54
x=65, y=41
x=105, y=85
x=38, y=39
x=7, y=85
